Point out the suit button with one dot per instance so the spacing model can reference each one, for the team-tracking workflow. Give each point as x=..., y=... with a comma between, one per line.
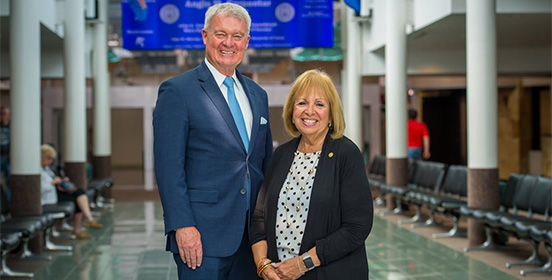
x=243, y=191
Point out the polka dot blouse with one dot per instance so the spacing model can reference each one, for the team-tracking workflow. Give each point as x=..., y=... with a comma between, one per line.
x=293, y=204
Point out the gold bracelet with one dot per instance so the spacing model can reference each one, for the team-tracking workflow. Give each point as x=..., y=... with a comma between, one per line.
x=263, y=261
x=262, y=268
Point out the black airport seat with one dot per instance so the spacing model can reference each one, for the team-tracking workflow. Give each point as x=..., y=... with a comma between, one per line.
x=28, y=228
x=10, y=241
x=46, y=220
x=521, y=203
x=532, y=197
x=533, y=231
x=62, y=209
x=451, y=199
x=541, y=233
x=94, y=191
x=506, y=205
x=519, y=226
x=506, y=199
x=100, y=183
x=377, y=169
x=397, y=191
x=376, y=176
x=426, y=178
x=91, y=193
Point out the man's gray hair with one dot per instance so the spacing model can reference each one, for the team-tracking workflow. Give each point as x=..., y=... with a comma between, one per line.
x=227, y=9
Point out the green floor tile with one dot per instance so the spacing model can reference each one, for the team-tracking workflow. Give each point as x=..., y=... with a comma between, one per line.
x=131, y=246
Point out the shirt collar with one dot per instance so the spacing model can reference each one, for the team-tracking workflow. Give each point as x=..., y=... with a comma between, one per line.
x=219, y=78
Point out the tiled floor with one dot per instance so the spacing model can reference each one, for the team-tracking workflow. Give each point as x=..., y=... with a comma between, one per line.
x=130, y=246
x=397, y=253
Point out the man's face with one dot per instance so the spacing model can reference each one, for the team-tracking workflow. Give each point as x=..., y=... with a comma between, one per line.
x=225, y=43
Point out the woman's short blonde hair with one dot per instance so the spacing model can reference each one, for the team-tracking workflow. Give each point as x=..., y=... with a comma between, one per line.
x=321, y=82
x=48, y=151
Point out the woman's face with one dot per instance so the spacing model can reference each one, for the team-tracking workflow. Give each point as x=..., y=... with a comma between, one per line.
x=46, y=161
x=311, y=114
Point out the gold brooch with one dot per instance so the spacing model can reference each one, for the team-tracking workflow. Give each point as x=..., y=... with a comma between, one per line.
x=330, y=155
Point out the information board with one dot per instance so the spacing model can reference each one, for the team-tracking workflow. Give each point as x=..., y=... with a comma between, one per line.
x=177, y=24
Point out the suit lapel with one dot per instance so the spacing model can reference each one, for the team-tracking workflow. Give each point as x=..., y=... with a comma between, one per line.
x=213, y=91
x=254, y=110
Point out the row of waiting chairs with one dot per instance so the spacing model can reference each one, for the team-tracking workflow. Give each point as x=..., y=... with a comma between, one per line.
x=95, y=189
x=16, y=232
x=444, y=190
x=525, y=212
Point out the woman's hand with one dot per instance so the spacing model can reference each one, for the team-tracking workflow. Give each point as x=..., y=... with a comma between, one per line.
x=57, y=180
x=270, y=274
x=287, y=270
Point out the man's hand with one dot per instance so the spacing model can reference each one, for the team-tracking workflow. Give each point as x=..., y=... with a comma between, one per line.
x=426, y=154
x=189, y=246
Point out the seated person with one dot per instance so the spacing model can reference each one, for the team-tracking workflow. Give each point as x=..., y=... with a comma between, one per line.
x=55, y=188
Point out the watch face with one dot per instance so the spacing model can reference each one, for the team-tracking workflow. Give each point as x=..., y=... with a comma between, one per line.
x=307, y=260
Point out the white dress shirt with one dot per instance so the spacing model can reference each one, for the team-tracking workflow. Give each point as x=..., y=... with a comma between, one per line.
x=240, y=95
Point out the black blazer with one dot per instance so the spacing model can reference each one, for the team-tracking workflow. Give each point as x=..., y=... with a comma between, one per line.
x=340, y=215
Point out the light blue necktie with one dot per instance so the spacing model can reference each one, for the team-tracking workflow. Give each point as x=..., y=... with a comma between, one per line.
x=236, y=111
x=238, y=119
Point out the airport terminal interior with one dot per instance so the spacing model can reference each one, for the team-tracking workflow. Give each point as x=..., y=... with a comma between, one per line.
x=478, y=72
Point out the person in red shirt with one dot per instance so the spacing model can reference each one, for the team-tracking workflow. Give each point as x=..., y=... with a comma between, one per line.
x=418, y=137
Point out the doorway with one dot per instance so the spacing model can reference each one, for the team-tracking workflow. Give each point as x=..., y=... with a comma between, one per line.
x=444, y=115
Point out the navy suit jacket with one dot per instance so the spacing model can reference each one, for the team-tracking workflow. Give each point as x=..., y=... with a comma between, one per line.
x=201, y=164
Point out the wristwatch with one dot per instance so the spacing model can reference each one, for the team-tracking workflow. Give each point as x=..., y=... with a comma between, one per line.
x=307, y=261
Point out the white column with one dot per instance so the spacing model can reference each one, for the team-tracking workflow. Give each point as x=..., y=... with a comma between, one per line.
x=148, y=147
x=25, y=86
x=481, y=84
x=395, y=80
x=75, y=81
x=352, y=98
x=344, y=28
x=102, y=106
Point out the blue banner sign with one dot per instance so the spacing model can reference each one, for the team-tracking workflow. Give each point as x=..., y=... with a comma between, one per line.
x=177, y=24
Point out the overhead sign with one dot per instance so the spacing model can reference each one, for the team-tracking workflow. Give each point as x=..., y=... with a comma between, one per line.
x=177, y=24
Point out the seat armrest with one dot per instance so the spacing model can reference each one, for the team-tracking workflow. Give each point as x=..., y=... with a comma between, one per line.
x=453, y=205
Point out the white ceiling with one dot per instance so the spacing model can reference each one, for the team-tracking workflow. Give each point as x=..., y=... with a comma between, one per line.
x=513, y=31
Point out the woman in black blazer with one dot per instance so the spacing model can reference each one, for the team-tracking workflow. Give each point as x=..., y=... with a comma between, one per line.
x=314, y=210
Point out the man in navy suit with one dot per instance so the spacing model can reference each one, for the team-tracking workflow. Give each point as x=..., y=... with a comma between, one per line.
x=212, y=145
